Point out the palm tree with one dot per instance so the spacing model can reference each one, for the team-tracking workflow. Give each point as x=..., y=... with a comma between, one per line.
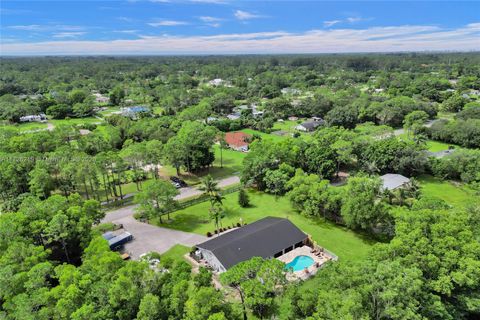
x=371, y=167
x=217, y=212
x=210, y=188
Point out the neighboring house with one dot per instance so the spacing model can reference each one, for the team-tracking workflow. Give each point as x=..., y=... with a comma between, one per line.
x=99, y=98
x=34, y=118
x=233, y=116
x=269, y=237
x=219, y=82
x=309, y=126
x=257, y=114
x=292, y=91
x=238, y=140
x=133, y=112
x=393, y=181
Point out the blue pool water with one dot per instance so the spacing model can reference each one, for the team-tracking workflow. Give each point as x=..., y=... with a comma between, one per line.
x=299, y=263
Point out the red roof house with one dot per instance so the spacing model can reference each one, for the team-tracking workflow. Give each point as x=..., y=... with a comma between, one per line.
x=238, y=140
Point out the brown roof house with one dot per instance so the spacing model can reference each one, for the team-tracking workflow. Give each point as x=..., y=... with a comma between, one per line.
x=238, y=140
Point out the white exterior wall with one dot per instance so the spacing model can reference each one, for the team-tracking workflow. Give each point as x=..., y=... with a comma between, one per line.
x=212, y=260
x=301, y=128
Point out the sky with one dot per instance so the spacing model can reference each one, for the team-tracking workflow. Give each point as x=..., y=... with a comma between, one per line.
x=169, y=27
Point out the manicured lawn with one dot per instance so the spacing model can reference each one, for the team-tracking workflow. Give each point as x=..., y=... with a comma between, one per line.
x=75, y=121
x=453, y=193
x=30, y=126
x=264, y=135
x=232, y=165
x=435, y=146
x=287, y=125
x=345, y=243
x=176, y=253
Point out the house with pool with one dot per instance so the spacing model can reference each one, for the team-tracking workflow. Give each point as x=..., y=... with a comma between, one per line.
x=269, y=238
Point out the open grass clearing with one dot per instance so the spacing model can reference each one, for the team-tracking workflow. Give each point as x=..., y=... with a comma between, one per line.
x=232, y=165
x=454, y=193
x=343, y=242
x=75, y=121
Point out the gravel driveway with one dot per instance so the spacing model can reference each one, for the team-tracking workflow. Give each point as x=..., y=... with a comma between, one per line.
x=152, y=238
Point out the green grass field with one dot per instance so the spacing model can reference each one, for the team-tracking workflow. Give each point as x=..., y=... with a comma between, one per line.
x=264, y=135
x=176, y=253
x=75, y=121
x=22, y=127
x=343, y=242
x=232, y=165
x=452, y=192
x=435, y=146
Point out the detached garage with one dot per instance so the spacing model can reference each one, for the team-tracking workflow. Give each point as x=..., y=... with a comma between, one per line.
x=269, y=237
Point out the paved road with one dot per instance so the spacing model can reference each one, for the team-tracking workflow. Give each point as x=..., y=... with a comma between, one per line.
x=153, y=238
x=427, y=124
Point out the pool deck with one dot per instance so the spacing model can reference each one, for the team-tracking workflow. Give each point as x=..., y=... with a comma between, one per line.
x=304, y=251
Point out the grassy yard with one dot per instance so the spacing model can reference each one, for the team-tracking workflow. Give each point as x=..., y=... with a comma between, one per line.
x=176, y=253
x=347, y=244
x=287, y=125
x=75, y=121
x=264, y=135
x=22, y=127
x=453, y=193
x=232, y=165
x=435, y=146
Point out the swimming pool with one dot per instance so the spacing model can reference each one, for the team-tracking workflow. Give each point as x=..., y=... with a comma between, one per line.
x=299, y=263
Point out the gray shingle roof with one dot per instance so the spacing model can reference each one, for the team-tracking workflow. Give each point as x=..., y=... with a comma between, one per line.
x=392, y=181
x=262, y=238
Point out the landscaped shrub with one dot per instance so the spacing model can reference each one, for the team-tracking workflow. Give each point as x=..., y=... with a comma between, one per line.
x=243, y=199
x=238, y=225
x=209, y=234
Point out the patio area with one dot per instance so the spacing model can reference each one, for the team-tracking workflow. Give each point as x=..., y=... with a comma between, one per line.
x=318, y=255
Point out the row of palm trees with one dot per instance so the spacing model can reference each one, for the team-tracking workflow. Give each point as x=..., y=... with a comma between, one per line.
x=216, y=211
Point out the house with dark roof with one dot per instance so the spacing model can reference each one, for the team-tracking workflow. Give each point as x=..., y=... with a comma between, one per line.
x=393, y=181
x=269, y=237
x=238, y=140
x=309, y=126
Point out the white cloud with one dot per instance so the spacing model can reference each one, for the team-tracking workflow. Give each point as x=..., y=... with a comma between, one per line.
x=126, y=19
x=211, y=21
x=68, y=34
x=48, y=27
x=373, y=39
x=244, y=15
x=167, y=23
x=29, y=27
x=127, y=31
x=350, y=20
x=331, y=23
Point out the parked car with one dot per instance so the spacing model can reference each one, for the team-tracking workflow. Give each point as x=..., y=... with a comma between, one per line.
x=180, y=182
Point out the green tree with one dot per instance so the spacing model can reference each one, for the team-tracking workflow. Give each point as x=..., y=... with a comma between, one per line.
x=41, y=181
x=149, y=308
x=156, y=199
x=362, y=208
x=257, y=282
x=243, y=198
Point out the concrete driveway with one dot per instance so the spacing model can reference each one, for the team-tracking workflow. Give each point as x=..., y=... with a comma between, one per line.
x=152, y=238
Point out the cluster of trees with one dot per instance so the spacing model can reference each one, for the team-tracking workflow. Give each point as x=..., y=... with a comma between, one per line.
x=429, y=270
x=54, y=265
x=270, y=164
x=97, y=165
x=461, y=165
x=465, y=133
